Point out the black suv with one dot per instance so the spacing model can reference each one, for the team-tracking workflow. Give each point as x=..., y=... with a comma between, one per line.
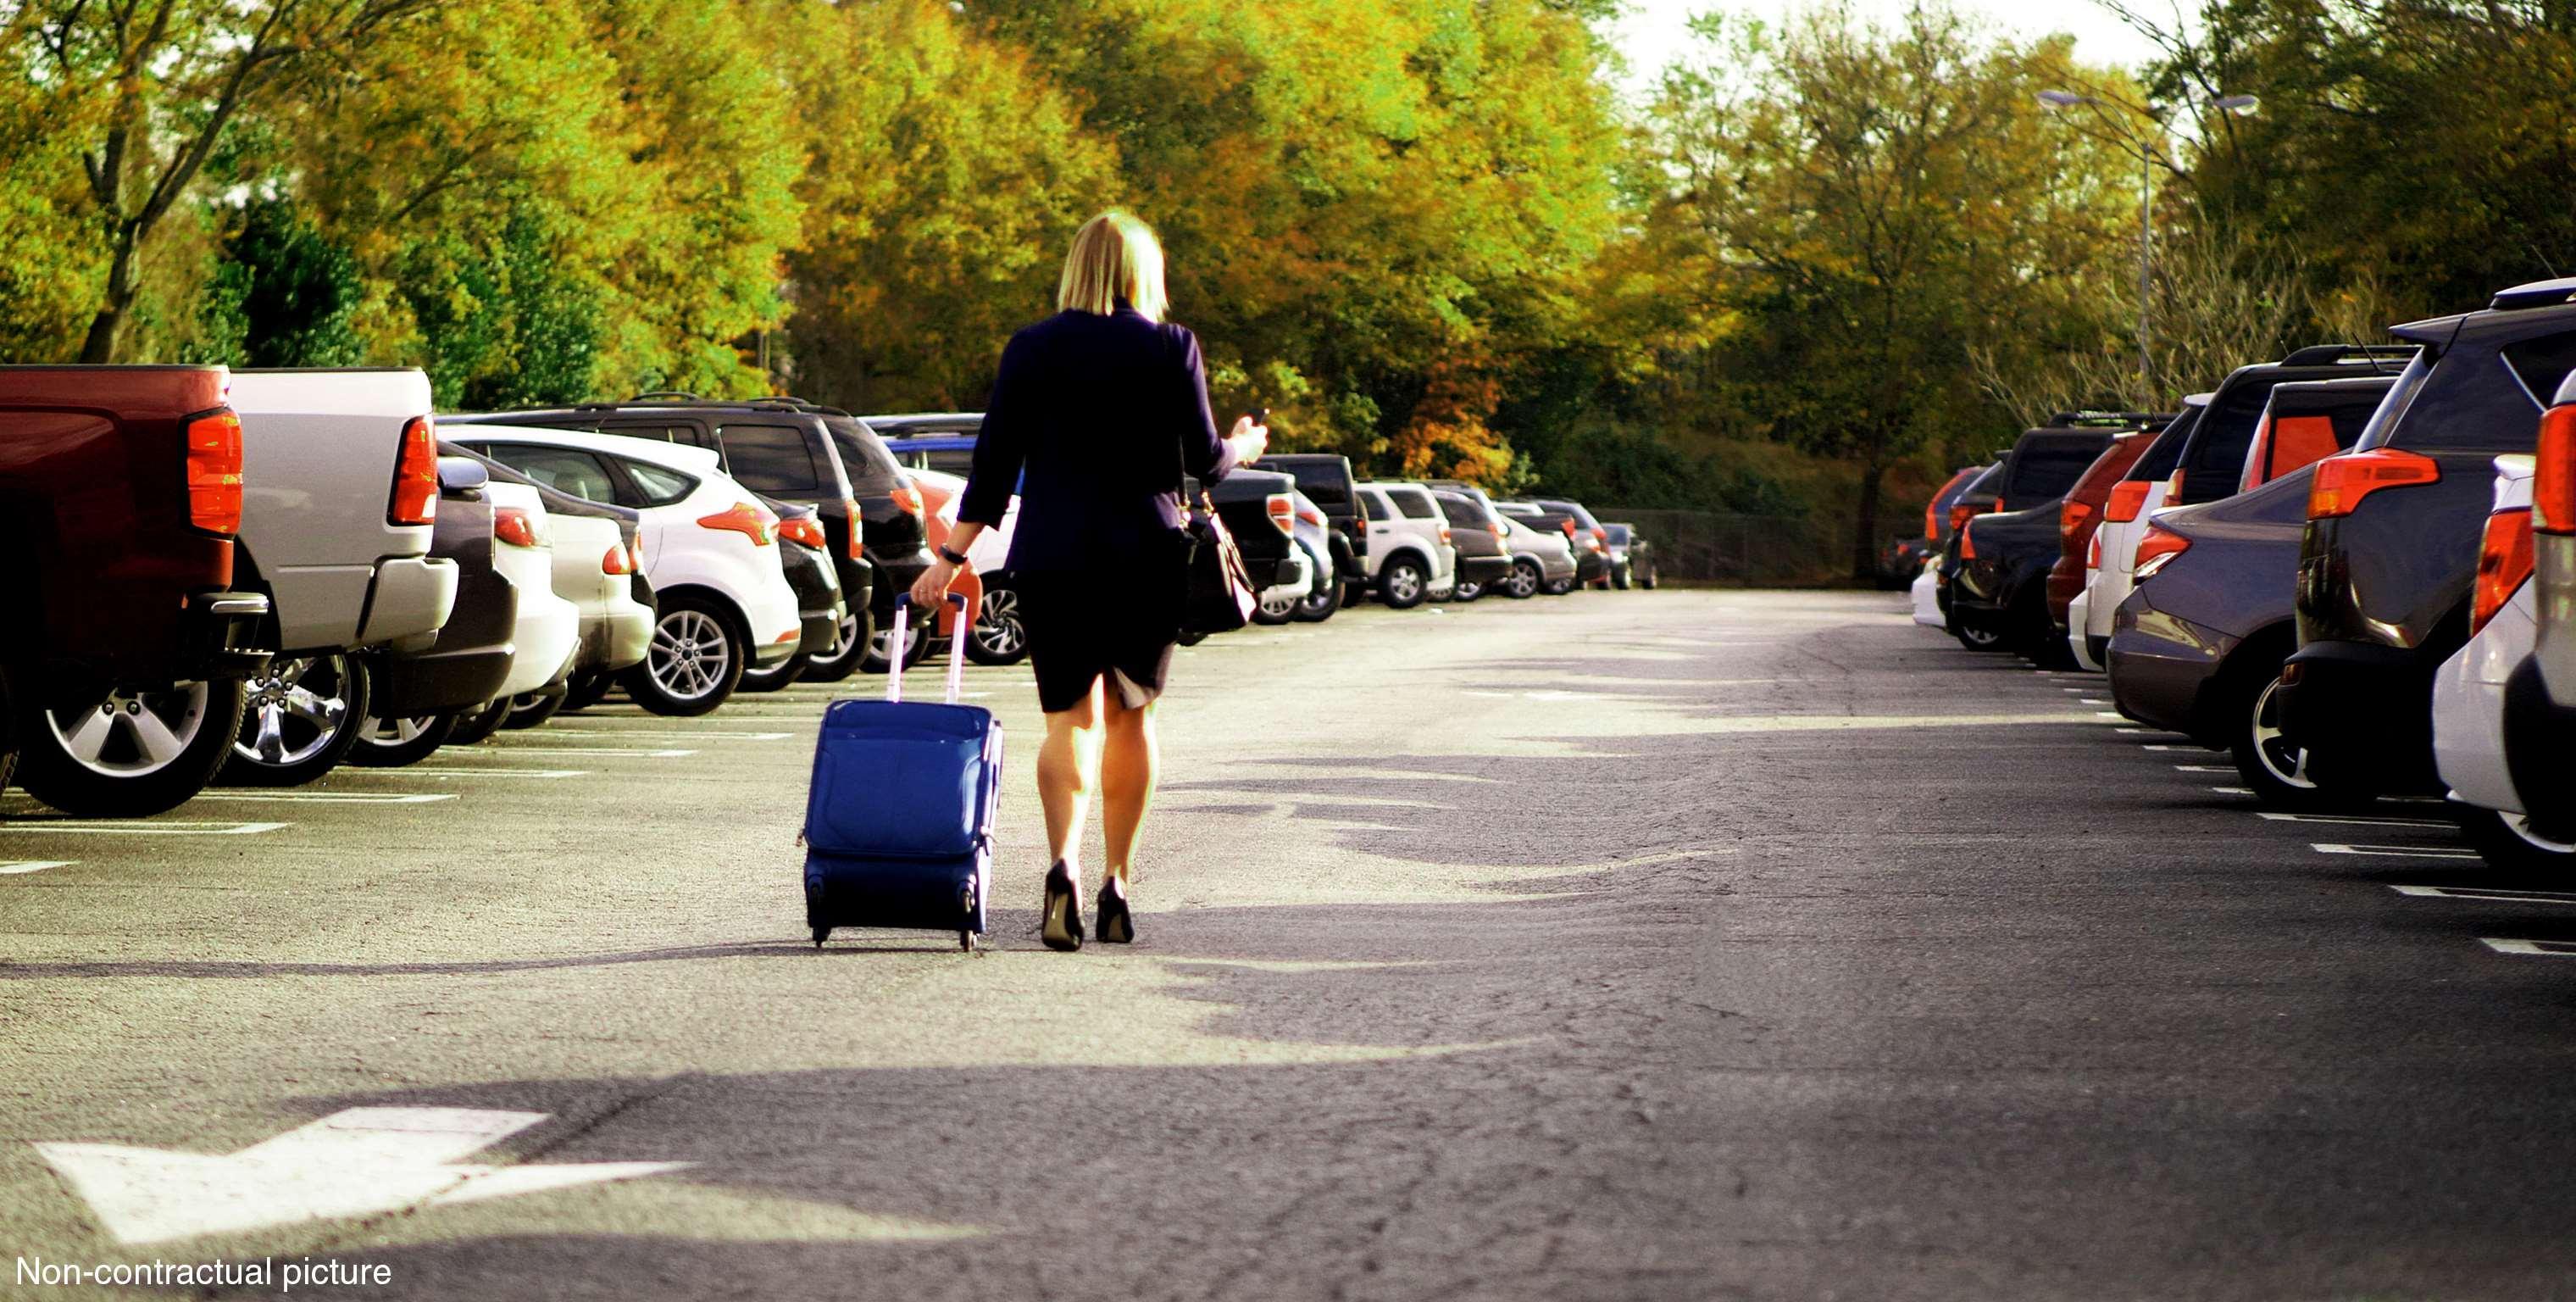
x=2391, y=551
x=1326, y=480
x=2000, y=587
x=795, y=451
x=2212, y=465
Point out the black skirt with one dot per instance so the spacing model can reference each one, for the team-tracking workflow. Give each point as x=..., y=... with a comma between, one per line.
x=1084, y=627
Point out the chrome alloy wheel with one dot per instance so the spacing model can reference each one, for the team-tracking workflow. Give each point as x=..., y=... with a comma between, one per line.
x=289, y=720
x=1279, y=606
x=2285, y=760
x=394, y=732
x=689, y=653
x=1404, y=586
x=997, y=624
x=131, y=732
x=2520, y=826
x=1524, y=581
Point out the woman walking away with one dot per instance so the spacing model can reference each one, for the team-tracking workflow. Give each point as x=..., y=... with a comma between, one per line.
x=1097, y=413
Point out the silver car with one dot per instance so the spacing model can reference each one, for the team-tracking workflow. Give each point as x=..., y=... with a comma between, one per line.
x=1541, y=559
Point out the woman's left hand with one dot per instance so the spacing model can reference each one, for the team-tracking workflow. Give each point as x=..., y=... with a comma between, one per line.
x=932, y=587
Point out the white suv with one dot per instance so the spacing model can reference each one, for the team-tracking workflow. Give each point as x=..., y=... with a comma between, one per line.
x=1409, y=553
x=722, y=602
x=2469, y=689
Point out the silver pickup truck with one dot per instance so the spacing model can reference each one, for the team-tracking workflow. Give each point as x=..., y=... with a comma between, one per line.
x=339, y=497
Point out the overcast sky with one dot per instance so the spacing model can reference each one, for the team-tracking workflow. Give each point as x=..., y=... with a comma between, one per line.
x=1654, y=29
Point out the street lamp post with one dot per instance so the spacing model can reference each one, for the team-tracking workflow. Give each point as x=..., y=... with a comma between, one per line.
x=2060, y=100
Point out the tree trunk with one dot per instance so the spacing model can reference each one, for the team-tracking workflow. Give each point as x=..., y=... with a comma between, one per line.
x=1865, y=537
x=100, y=347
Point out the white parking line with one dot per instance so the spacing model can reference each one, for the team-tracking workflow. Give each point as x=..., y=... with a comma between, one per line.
x=2273, y=817
x=2538, y=948
x=331, y=797
x=647, y=734
x=2495, y=893
x=2392, y=851
x=2204, y=768
x=2233, y=791
x=2162, y=745
x=33, y=866
x=2105, y=714
x=418, y=772
x=138, y=827
x=2091, y=700
x=460, y=752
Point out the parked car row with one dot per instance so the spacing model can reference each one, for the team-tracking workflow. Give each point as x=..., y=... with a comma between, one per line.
x=256, y=576
x=2354, y=569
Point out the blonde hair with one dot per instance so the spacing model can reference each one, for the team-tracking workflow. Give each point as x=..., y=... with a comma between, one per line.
x=1114, y=256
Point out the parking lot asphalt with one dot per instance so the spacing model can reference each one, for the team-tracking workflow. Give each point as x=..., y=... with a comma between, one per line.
x=1683, y=944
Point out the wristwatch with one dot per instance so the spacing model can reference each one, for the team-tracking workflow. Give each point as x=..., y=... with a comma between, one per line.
x=952, y=558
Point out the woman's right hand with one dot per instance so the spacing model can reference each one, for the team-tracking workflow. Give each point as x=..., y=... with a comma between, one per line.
x=1250, y=440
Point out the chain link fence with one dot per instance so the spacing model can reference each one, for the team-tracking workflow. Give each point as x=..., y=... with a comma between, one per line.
x=1721, y=547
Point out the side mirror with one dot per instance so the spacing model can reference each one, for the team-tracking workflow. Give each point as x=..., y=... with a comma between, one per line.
x=461, y=474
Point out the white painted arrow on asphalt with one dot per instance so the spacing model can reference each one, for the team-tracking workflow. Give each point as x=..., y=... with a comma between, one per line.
x=352, y=1163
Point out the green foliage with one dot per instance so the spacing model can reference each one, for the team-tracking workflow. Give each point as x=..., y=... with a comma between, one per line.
x=282, y=295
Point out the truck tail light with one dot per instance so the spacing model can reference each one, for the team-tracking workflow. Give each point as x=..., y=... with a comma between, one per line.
x=2504, y=562
x=513, y=525
x=415, y=499
x=1445, y=536
x=1962, y=514
x=1967, y=542
x=215, y=472
x=745, y=519
x=2553, y=485
x=1569, y=529
x=1600, y=539
x=850, y=511
x=2342, y=481
x=808, y=532
x=2071, y=518
x=907, y=499
x=2157, y=549
x=619, y=560
x=2128, y=500
x=2093, y=552
x=1283, y=512
x=1311, y=516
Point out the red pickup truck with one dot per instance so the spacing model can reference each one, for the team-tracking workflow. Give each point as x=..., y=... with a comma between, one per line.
x=120, y=492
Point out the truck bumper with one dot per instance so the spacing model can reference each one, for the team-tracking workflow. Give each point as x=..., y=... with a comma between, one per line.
x=219, y=635
x=2364, y=702
x=410, y=597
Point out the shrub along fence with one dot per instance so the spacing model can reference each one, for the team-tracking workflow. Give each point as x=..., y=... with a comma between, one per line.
x=1722, y=547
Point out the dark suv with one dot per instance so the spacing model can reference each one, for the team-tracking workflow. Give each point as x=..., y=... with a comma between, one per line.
x=2391, y=551
x=794, y=451
x=1326, y=480
x=2212, y=464
x=2004, y=553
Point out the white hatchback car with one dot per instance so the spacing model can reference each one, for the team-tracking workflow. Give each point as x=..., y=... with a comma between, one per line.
x=2469, y=689
x=1409, y=556
x=710, y=550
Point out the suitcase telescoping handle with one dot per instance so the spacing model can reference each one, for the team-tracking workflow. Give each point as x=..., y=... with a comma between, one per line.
x=956, y=647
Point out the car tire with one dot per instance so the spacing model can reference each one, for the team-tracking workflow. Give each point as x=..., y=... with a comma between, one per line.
x=1402, y=584
x=1648, y=581
x=2278, y=772
x=1001, y=633
x=857, y=628
x=1978, y=639
x=1322, y=603
x=1467, y=591
x=1619, y=577
x=694, y=663
x=476, y=726
x=587, y=690
x=124, y=774
x=532, y=709
x=1274, y=611
x=1525, y=581
x=2506, y=841
x=917, y=647
x=777, y=677
x=1558, y=588
x=300, y=719
x=391, y=744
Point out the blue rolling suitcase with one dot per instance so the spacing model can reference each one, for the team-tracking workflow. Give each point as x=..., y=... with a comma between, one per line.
x=899, y=820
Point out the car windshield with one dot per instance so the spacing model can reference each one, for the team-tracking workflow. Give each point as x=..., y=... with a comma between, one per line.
x=1459, y=510
x=862, y=452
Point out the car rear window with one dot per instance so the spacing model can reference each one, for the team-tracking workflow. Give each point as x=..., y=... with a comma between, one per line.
x=660, y=486
x=2166, y=453
x=2215, y=458
x=565, y=470
x=771, y=458
x=1459, y=510
x=2469, y=399
x=871, y=467
x=2542, y=364
x=1414, y=503
x=2042, y=472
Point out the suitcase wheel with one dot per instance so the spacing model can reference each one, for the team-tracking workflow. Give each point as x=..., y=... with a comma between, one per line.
x=966, y=941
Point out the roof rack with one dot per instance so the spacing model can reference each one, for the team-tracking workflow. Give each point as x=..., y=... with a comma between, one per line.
x=2539, y=293
x=2330, y=354
x=663, y=395
x=2065, y=419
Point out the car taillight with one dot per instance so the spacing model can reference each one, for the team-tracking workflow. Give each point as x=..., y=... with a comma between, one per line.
x=907, y=498
x=1445, y=536
x=1967, y=543
x=619, y=560
x=515, y=526
x=1501, y=529
x=2071, y=518
x=1600, y=537
x=1962, y=514
x=2093, y=552
x=808, y=532
x=2553, y=485
x=850, y=510
x=1998, y=506
x=2342, y=481
x=635, y=555
x=2128, y=500
x=1283, y=512
x=2157, y=549
x=1311, y=516
x=2504, y=562
x=1569, y=528
x=215, y=472
x=745, y=519
x=415, y=499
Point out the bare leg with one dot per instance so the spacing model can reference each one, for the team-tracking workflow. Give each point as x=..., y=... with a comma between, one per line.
x=1129, y=756
x=1066, y=761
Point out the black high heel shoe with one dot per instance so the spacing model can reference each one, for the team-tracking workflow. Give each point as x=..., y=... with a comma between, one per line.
x=1113, y=924
x=1062, y=928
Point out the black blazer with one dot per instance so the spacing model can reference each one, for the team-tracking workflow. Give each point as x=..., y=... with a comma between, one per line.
x=1094, y=419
